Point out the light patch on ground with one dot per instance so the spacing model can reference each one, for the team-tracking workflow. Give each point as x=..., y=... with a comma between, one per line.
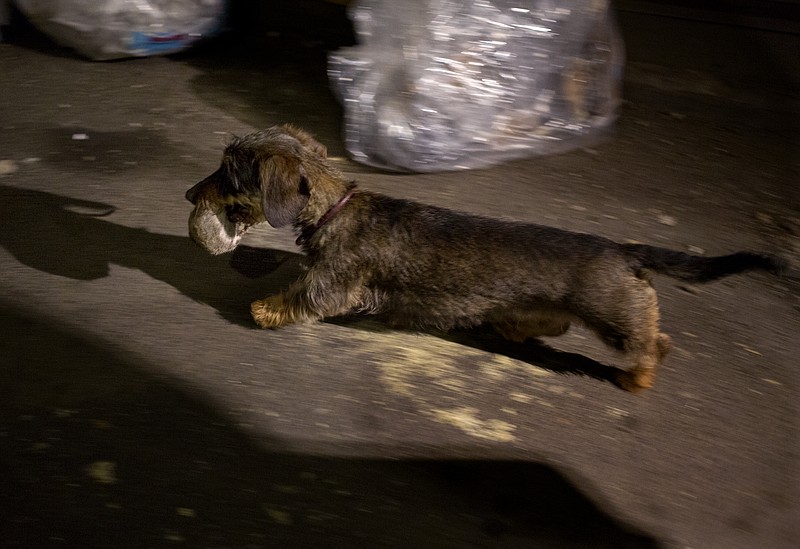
x=278, y=516
x=466, y=419
x=616, y=412
x=520, y=397
x=429, y=371
x=499, y=366
x=7, y=167
x=103, y=472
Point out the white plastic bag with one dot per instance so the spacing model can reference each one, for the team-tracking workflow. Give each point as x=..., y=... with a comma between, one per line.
x=110, y=29
x=452, y=84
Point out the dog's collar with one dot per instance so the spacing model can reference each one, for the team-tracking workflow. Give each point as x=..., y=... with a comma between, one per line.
x=308, y=232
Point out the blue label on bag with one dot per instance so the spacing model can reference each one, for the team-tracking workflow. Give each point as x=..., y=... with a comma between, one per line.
x=159, y=43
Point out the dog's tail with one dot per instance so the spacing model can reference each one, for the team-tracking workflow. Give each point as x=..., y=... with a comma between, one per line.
x=693, y=268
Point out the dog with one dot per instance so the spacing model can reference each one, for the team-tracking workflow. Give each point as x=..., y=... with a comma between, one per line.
x=428, y=267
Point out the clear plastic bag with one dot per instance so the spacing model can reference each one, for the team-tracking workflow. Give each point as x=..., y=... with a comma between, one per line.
x=453, y=84
x=110, y=29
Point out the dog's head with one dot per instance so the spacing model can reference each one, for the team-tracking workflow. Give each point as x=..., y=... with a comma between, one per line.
x=262, y=178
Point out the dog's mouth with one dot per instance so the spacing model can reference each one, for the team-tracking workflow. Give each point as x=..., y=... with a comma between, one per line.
x=236, y=213
x=218, y=232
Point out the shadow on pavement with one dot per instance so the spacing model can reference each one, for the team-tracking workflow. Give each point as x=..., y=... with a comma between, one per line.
x=99, y=450
x=71, y=238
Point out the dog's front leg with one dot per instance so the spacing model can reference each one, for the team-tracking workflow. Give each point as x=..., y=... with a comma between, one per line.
x=284, y=308
x=321, y=293
x=271, y=312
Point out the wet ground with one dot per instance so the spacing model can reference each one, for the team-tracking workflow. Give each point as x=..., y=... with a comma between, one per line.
x=141, y=408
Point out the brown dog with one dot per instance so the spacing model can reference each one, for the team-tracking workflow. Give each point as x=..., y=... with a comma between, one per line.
x=425, y=266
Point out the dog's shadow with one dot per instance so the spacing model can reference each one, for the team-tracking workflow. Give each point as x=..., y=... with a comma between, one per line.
x=73, y=238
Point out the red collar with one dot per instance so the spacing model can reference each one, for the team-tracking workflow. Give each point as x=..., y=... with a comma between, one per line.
x=308, y=232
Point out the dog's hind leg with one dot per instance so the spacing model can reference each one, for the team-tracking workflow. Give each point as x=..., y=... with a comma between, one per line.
x=646, y=345
x=647, y=358
x=627, y=320
x=521, y=326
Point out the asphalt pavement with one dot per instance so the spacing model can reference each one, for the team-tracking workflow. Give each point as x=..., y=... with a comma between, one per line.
x=140, y=407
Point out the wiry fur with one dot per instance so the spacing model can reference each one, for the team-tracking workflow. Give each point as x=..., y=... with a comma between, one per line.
x=426, y=266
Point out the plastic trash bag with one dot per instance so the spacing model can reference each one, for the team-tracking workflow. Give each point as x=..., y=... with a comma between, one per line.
x=110, y=29
x=452, y=84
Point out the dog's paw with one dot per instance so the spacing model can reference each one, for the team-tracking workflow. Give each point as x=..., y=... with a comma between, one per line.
x=634, y=381
x=269, y=312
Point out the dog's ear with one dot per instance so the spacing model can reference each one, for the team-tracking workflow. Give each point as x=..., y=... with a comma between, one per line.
x=317, y=147
x=306, y=139
x=284, y=189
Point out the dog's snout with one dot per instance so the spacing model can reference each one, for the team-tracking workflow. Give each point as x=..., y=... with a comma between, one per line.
x=191, y=194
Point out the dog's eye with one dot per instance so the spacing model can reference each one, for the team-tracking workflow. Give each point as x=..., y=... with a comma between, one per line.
x=237, y=213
